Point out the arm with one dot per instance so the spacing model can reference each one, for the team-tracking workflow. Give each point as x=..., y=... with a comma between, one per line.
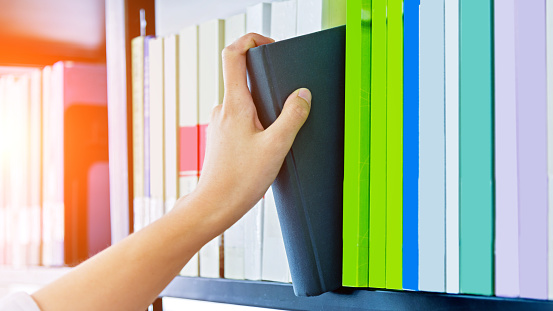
x=241, y=162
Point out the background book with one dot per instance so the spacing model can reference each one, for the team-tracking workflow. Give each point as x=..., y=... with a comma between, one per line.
x=432, y=148
x=505, y=153
x=234, y=250
x=452, y=145
x=170, y=119
x=188, y=122
x=531, y=92
x=211, y=43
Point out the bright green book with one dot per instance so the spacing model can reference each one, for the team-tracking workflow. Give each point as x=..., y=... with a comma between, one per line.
x=476, y=208
x=356, y=145
x=394, y=145
x=377, y=174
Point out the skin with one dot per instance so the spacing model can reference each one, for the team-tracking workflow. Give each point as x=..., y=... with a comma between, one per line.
x=242, y=160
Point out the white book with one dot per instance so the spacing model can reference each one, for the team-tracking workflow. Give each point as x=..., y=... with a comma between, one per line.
x=53, y=201
x=253, y=241
x=188, y=122
x=431, y=148
x=283, y=19
x=274, y=262
x=549, y=34
x=452, y=144
x=117, y=118
x=171, y=101
x=258, y=19
x=316, y=15
x=235, y=27
x=35, y=152
x=157, y=183
x=3, y=170
x=137, y=62
x=211, y=43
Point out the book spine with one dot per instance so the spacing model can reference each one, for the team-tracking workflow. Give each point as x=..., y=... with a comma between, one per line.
x=377, y=171
x=476, y=147
x=146, y=207
x=3, y=171
x=157, y=165
x=531, y=95
x=234, y=250
x=211, y=42
x=258, y=19
x=356, y=143
x=411, y=144
x=171, y=127
x=188, y=122
x=253, y=241
x=283, y=19
x=394, y=145
x=311, y=12
x=35, y=183
x=452, y=145
x=334, y=13
x=505, y=155
x=432, y=147
x=549, y=33
x=275, y=264
x=137, y=55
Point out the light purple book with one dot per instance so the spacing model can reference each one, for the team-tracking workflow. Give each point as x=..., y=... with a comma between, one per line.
x=531, y=96
x=147, y=124
x=506, y=187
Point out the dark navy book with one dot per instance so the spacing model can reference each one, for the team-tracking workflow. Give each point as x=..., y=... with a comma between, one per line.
x=308, y=188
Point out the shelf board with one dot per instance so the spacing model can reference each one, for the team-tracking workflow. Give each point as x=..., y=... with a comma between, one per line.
x=281, y=296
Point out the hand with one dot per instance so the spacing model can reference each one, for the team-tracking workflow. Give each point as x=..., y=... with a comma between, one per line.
x=242, y=159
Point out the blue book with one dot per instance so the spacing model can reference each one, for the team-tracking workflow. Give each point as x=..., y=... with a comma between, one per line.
x=410, y=144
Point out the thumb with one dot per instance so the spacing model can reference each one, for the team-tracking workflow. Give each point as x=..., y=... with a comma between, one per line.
x=293, y=116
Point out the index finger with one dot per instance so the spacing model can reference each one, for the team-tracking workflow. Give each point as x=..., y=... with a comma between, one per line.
x=234, y=62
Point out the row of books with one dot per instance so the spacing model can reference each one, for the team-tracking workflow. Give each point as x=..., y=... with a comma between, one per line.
x=54, y=185
x=448, y=146
x=176, y=81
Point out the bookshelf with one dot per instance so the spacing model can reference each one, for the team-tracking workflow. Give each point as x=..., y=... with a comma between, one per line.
x=121, y=27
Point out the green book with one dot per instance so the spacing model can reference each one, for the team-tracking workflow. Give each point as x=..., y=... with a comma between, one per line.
x=476, y=208
x=356, y=145
x=377, y=173
x=394, y=145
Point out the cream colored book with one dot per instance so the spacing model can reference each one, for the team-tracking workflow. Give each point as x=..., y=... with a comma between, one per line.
x=171, y=101
x=317, y=15
x=258, y=19
x=211, y=44
x=235, y=27
x=157, y=168
x=283, y=19
x=274, y=264
x=35, y=166
x=188, y=121
x=137, y=62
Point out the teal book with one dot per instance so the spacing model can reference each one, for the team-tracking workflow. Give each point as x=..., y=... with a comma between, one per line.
x=476, y=208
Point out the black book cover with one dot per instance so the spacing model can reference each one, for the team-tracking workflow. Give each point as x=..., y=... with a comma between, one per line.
x=308, y=188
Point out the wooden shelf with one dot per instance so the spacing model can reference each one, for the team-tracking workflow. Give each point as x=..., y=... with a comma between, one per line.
x=281, y=296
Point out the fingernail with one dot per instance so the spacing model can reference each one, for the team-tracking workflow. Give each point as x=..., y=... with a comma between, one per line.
x=305, y=94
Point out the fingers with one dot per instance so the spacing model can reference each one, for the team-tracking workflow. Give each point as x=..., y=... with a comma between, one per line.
x=234, y=62
x=291, y=119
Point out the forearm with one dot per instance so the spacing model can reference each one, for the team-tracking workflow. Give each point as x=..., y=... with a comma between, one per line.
x=130, y=274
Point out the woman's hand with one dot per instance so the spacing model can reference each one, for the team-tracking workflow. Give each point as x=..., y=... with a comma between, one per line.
x=242, y=159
